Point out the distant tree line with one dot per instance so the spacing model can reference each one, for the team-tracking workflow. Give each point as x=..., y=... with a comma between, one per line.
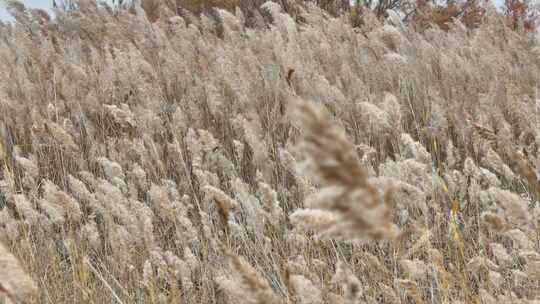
x=520, y=15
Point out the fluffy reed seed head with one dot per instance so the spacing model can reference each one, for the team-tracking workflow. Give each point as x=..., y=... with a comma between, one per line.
x=15, y=284
x=363, y=213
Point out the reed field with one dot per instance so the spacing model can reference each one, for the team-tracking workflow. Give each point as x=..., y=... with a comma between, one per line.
x=285, y=156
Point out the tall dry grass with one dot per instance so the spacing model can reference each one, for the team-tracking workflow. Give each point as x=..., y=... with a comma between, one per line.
x=174, y=159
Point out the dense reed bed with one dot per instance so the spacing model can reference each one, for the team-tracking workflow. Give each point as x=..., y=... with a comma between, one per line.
x=184, y=159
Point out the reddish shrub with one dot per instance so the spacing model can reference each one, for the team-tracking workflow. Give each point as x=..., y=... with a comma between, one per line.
x=521, y=13
x=427, y=14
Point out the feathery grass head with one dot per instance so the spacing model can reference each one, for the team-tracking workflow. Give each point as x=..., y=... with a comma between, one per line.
x=15, y=283
x=353, y=207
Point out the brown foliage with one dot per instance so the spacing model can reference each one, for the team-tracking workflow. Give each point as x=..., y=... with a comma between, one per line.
x=520, y=13
x=151, y=8
x=427, y=14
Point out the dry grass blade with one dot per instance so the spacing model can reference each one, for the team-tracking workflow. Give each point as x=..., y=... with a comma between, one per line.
x=485, y=133
x=142, y=141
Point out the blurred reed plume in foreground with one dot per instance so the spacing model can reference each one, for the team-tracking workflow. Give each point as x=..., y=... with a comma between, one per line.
x=289, y=155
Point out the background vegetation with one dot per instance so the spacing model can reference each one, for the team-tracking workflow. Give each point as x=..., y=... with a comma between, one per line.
x=269, y=153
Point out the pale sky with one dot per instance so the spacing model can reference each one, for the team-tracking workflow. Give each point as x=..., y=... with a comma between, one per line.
x=47, y=4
